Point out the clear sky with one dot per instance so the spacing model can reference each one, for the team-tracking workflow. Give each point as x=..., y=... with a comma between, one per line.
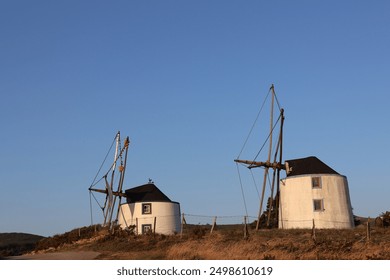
x=185, y=80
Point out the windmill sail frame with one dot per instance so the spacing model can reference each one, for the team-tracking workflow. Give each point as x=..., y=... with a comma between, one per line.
x=109, y=207
x=276, y=165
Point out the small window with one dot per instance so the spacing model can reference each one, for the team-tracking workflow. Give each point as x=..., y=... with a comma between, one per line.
x=316, y=182
x=318, y=204
x=146, y=228
x=146, y=208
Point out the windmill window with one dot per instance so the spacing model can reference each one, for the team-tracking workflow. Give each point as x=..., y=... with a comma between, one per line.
x=146, y=208
x=316, y=182
x=318, y=205
x=146, y=228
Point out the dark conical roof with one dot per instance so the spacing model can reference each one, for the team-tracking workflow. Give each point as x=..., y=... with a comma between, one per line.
x=309, y=165
x=145, y=193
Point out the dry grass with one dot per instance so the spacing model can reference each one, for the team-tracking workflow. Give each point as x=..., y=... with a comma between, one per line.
x=228, y=243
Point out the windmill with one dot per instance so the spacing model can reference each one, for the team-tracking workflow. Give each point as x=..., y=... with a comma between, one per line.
x=117, y=168
x=274, y=164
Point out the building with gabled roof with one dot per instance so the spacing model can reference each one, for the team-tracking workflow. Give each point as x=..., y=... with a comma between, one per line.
x=148, y=209
x=313, y=192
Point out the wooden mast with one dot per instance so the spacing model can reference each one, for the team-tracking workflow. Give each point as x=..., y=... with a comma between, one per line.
x=109, y=186
x=268, y=159
x=111, y=195
x=275, y=165
x=278, y=170
x=122, y=170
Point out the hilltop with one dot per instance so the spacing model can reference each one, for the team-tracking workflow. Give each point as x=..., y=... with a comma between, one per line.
x=223, y=243
x=15, y=243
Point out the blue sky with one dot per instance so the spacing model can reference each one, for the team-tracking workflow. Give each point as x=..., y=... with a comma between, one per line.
x=185, y=80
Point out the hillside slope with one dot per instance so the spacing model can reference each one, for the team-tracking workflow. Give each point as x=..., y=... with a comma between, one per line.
x=229, y=244
x=15, y=243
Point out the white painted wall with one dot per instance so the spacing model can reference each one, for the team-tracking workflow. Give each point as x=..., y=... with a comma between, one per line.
x=168, y=217
x=296, y=202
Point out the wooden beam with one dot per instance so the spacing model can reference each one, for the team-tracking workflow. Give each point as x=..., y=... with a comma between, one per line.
x=253, y=164
x=105, y=191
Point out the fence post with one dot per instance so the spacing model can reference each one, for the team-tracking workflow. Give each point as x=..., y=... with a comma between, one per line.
x=136, y=226
x=112, y=227
x=154, y=226
x=246, y=232
x=214, y=224
x=313, y=232
x=183, y=221
x=368, y=230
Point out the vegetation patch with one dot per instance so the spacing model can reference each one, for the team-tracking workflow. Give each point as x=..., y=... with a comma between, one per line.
x=15, y=244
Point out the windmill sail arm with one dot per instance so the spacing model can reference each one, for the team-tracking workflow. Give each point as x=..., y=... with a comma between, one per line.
x=105, y=191
x=253, y=164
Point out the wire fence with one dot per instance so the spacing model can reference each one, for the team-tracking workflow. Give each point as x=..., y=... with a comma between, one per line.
x=203, y=225
x=221, y=220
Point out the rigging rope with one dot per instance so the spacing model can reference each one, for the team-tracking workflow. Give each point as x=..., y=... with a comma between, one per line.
x=254, y=182
x=102, y=208
x=114, y=162
x=277, y=102
x=254, y=123
x=242, y=189
x=101, y=166
x=266, y=140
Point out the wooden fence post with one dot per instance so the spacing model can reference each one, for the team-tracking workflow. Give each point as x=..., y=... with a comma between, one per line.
x=136, y=226
x=368, y=230
x=154, y=226
x=313, y=231
x=183, y=221
x=246, y=232
x=214, y=224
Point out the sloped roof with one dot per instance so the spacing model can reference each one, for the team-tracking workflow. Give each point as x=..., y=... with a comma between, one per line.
x=145, y=193
x=309, y=165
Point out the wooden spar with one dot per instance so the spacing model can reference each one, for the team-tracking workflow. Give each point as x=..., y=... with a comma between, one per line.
x=271, y=198
x=278, y=171
x=253, y=164
x=110, y=187
x=123, y=169
x=105, y=191
x=111, y=195
x=276, y=165
x=269, y=157
x=108, y=203
x=107, y=209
